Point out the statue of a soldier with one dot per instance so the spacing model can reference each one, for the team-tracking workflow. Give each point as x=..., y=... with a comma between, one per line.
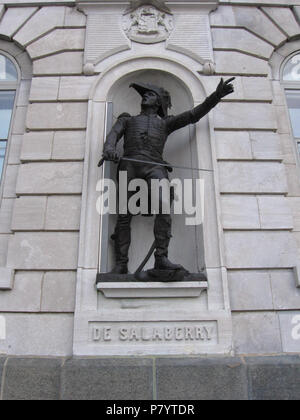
x=145, y=136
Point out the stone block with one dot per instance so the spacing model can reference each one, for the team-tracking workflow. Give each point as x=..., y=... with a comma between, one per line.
x=105, y=36
x=14, y=18
x=293, y=181
x=288, y=149
x=25, y=65
x=201, y=379
x=297, y=238
x=252, y=177
x=260, y=249
x=43, y=251
x=107, y=379
x=18, y=124
x=46, y=19
x=233, y=145
x=15, y=149
x=290, y=331
x=49, y=116
x=236, y=63
x=69, y=63
x=286, y=295
x=282, y=118
x=256, y=333
x=274, y=212
x=250, y=290
x=68, y=145
x=240, y=40
x=83, y=86
x=74, y=18
x=37, y=146
x=29, y=213
x=258, y=23
x=265, y=145
x=6, y=210
x=274, y=378
x=278, y=93
x=212, y=82
x=6, y=279
x=257, y=88
x=4, y=238
x=54, y=178
x=246, y=88
x=10, y=47
x=63, y=213
x=44, y=89
x=10, y=174
x=294, y=203
x=245, y=116
x=57, y=41
x=38, y=334
x=59, y=290
x=223, y=16
x=25, y=295
x=32, y=379
x=24, y=92
x=296, y=10
x=240, y=212
x=283, y=17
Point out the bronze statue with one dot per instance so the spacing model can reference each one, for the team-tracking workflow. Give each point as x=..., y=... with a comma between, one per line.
x=145, y=136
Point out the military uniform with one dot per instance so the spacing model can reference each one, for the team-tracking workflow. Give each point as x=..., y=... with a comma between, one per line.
x=144, y=138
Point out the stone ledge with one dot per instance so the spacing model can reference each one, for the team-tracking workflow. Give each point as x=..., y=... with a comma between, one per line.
x=152, y=290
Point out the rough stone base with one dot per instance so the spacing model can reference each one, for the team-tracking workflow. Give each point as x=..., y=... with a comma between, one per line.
x=180, y=378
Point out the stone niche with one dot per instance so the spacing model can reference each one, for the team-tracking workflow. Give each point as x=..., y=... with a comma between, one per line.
x=181, y=150
x=151, y=318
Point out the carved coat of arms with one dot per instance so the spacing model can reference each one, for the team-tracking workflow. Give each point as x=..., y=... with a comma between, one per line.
x=148, y=25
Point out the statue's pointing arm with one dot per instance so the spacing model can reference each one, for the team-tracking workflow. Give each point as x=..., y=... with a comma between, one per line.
x=194, y=115
x=116, y=133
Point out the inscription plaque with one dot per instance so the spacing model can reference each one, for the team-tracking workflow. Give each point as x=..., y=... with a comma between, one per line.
x=156, y=332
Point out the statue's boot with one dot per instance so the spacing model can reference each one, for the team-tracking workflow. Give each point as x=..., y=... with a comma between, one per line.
x=163, y=263
x=122, y=238
x=162, y=233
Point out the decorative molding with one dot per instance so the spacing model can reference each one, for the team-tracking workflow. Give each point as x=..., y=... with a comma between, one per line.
x=104, y=37
x=112, y=27
x=158, y=4
x=192, y=36
x=148, y=25
x=152, y=290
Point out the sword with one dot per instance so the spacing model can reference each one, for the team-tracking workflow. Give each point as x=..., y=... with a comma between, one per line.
x=147, y=162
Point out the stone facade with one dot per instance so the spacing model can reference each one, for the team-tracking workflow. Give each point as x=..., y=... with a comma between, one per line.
x=73, y=56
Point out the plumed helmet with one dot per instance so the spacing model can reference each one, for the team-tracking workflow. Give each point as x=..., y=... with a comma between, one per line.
x=163, y=94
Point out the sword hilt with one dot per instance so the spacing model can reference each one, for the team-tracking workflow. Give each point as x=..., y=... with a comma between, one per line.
x=101, y=161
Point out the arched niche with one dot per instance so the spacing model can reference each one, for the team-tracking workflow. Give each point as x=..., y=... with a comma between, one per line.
x=187, y=91
x=186, y=247
x=194, y=145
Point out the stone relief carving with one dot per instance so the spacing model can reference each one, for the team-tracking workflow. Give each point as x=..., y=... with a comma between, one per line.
x=148, y=25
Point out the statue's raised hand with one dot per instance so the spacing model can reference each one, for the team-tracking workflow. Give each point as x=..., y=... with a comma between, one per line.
x=225, y=88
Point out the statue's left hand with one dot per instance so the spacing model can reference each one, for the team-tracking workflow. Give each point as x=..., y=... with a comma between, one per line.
x=225, y=88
